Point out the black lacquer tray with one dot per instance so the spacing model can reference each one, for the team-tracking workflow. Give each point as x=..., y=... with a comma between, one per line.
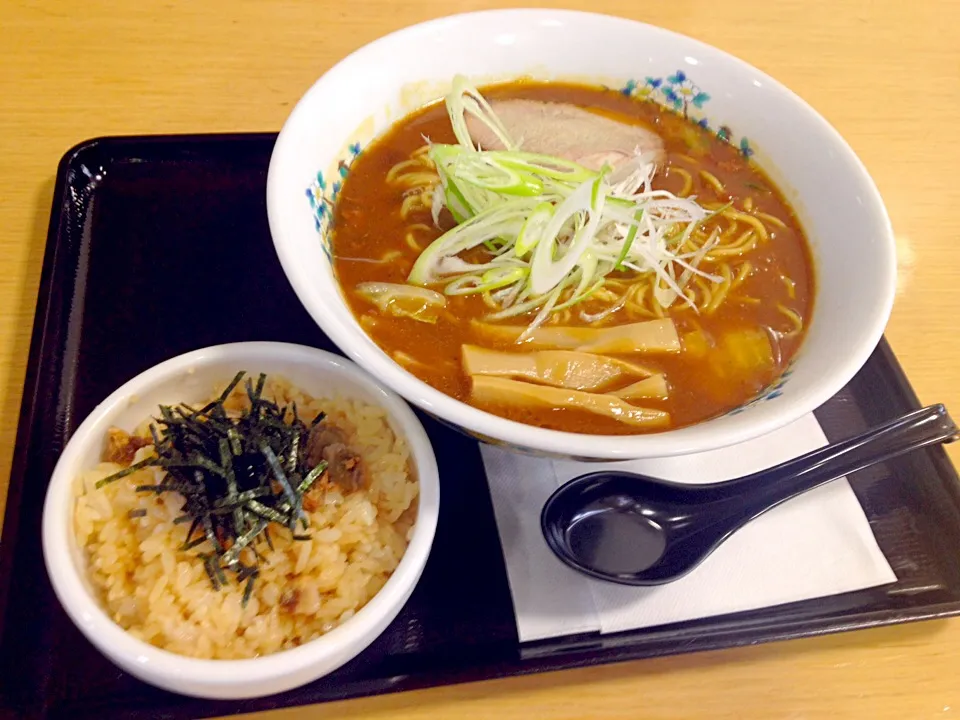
x=160, y=245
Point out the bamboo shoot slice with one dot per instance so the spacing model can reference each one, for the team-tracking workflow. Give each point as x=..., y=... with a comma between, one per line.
x=654, y=387
x=651, y=336
x=559, y=368
x=488, y=389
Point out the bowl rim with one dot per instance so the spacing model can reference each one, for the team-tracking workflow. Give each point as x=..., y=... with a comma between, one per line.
x=169, y=669
x=690, y=439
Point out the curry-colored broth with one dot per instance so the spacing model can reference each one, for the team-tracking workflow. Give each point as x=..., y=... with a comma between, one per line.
x=368, y=224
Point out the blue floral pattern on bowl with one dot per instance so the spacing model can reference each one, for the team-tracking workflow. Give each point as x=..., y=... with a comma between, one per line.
x=679, y=93
x=322, y=196
x=772, y=392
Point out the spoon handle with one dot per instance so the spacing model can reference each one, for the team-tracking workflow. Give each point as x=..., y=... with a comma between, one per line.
x=916, y=429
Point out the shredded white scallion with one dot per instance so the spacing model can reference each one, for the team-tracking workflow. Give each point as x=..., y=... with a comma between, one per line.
x=550, y=231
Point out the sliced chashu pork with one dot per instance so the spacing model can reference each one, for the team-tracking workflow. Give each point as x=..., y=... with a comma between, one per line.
x=566, y=131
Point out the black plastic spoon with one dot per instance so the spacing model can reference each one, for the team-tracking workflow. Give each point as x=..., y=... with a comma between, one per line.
x=636, y=530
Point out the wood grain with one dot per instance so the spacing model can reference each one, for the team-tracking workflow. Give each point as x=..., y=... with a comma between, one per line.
x=882, y=72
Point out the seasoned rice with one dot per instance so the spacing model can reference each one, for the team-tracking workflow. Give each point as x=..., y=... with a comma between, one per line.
x=162, y=595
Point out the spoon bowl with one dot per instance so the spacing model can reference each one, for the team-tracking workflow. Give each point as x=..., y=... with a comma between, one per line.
x=636, y=530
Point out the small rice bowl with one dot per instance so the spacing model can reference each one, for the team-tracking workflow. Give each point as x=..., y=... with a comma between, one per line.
x=161, y=594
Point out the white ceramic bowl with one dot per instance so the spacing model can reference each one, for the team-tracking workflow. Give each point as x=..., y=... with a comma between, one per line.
x=837, y=202
x=190, y=378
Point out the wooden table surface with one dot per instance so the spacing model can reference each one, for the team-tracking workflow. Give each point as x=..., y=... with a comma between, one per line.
x=885, y=73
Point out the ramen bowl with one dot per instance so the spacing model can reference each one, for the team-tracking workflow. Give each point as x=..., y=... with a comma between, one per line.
x=836, y=202
x=191, y=378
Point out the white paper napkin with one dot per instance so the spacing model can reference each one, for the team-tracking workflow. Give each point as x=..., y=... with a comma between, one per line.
x=816, y=545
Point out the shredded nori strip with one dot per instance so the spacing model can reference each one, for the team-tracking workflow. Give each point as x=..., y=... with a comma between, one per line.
x=230, y=388
x=267, y=512
x=157, y=442
x=211, y=573
x=298, y=514
x=236, y=447
x=206, y=520
x=245, y=572
x=248, y=495
x=231, y=556
x=311, y=477
x=221, y=578
x=237, y=475
x=248, y=590
x=190, y=544
x=127, y=471
x=193, y=527
x=151, y=488
x=293, y=456
x=278, y=473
